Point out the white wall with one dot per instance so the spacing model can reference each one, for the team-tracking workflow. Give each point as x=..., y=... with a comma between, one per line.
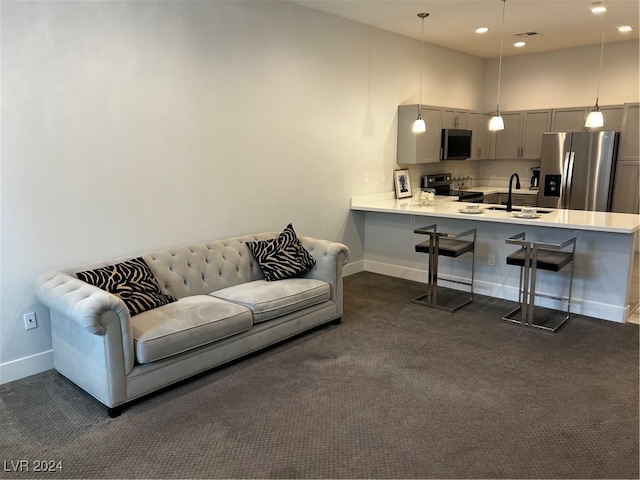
x=131, y=126
x=565, y=78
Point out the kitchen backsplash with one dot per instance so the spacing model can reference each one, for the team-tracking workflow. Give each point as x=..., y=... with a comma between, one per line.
x=475, y=172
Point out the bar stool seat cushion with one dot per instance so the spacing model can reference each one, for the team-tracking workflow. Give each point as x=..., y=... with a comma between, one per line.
x=552, y=260
x=448, y=247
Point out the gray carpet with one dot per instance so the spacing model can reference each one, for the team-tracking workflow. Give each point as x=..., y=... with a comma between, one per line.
x=395, y=391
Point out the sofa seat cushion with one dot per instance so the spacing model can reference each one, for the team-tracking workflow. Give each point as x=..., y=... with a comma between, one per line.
x=269, y=300
x=189, y=323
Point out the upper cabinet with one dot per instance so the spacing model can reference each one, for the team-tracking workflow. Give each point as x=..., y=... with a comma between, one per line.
x=452, y=118
x=629, y=148
x=478, y=123
x=573, y=119
x=418, y=147
x=522, y=134
x=627, y=184
x=521, y=138
x=568, y=119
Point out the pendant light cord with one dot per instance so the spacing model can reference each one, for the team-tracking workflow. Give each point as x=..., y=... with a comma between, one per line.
x=504, y=3
x=422, y=16
x=600, y=68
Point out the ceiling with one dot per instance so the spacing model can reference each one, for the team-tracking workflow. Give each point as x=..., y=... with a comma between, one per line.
x=558, y=24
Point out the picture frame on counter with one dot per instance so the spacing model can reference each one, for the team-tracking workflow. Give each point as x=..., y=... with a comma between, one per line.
x=403, y=183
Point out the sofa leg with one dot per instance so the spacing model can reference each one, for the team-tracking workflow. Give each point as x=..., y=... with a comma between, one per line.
x=114, y=411
x=337, y=321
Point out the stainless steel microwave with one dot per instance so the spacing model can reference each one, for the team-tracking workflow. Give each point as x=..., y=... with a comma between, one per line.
x=455, y=145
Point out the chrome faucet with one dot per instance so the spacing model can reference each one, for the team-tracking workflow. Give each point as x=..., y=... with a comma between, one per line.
x=509, y=200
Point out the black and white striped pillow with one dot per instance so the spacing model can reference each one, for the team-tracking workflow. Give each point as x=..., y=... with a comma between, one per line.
x=282, y=257
x=132, y=281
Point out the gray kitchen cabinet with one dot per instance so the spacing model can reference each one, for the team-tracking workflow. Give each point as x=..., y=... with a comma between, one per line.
x=627, y=183
x=522, y=135
x=625, y=191
x=523, y=199
x=573, y=119
x=629, y=133
x=508, y=140
x=418, y=147
x=491, y=198
x=454, y=118
x=518, y=199
x=613, y=116
x=478, y=123
x=568, y=119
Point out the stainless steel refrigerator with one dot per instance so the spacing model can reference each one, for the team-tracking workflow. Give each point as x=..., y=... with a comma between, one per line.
x=577, y=170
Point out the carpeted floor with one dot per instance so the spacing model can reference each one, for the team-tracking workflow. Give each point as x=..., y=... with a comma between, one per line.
x=395, y=391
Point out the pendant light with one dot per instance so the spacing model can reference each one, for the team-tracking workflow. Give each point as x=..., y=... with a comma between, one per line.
x=496, y=122
x=595, y=118
x=419, y=126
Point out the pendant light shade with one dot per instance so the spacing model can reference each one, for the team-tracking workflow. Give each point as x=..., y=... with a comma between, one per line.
x=419, y=126
x=497, y=123
x=595, y=118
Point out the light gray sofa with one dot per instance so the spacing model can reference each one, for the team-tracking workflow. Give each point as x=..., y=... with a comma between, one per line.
x=224, y=310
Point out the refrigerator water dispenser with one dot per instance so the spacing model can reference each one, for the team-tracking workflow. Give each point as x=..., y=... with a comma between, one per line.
x=552, y=185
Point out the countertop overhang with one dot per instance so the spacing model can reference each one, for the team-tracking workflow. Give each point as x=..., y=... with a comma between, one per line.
x=448, y=207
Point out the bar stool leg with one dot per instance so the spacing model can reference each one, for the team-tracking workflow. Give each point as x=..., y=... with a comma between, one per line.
x=433, y=256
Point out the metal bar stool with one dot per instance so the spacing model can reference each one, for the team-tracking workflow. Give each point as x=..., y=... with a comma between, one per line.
x=531, y=257
x=447, y=245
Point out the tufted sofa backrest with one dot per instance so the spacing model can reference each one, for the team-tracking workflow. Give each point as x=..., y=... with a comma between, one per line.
x=204, y=268
x=198, y=269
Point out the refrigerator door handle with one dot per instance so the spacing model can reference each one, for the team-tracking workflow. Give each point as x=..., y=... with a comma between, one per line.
x=567, y=199
x=564, y=185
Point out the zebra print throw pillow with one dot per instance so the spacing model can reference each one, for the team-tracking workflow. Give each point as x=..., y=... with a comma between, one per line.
x=281, y=257
x=132, y=281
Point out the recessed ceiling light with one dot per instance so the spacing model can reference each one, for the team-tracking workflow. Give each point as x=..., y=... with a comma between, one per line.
x=482, y=29
x=625, y=28
x=519, y=44
x=598, y=7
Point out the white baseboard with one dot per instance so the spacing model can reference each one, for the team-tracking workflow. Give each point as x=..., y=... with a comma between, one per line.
x=354, y=267
x=26, y=366
x=578, y=305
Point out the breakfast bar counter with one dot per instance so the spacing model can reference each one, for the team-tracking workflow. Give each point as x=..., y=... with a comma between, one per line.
x=606, y=269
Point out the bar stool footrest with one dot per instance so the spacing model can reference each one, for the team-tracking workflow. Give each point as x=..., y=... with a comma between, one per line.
x=546, y=319
x=448, y=299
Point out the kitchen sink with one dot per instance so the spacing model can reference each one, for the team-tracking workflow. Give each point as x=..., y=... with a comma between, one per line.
x=517, y=209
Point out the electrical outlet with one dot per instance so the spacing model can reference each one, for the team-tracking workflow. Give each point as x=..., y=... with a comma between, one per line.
x=30, y=320
x=365, y=178
x=488, y=168
x=491, y=261
x=383, y=177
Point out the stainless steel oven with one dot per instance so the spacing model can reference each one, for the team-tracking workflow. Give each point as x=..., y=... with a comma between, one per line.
x=441, y=183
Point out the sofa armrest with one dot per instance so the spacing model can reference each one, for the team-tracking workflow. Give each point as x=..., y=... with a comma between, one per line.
x=98, y=313
x=330, y=258
x=78, y=301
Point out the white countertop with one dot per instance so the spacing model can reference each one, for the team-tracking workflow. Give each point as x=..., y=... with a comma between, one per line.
x=447, y=207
